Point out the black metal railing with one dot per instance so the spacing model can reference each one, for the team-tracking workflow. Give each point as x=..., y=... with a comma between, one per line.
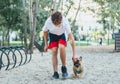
x=13, y=56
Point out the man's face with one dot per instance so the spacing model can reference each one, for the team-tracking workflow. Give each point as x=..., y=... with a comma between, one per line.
x=58, y=24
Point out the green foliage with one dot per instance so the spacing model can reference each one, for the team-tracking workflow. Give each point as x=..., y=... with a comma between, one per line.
x=11, y=14
x=44, y=8
x=45, y=4
x=10, y=17
x=43, y=15
x=10, y=11
x=82, y=43
x=109, y=11
x=111, y=41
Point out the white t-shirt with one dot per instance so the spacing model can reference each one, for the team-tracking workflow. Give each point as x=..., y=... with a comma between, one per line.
x=64, y=28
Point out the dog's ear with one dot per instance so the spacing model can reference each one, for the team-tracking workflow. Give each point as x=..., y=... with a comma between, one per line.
x=80, y=58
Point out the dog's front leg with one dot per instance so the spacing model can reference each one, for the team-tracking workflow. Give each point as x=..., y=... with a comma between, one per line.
x=75, y=73
x=82, y=74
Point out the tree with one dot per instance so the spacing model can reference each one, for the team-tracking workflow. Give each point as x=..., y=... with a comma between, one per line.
x=10, y=12
x=109, y=11
x=33, y=15
x=74, y=20
x=25, y=24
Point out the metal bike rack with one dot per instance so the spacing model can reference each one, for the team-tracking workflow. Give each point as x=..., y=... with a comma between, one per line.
x=13, y=56
x=117, y=42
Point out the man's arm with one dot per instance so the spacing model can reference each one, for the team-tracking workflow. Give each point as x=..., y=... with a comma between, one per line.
x=72, y=42
x=45, y=34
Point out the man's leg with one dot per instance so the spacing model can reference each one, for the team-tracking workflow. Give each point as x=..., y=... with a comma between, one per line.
x=62, y=54
x=63, y=60
x=54, y=58
x=55, y=62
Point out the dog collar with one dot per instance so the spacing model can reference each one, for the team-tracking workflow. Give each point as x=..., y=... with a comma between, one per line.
x=80, y=71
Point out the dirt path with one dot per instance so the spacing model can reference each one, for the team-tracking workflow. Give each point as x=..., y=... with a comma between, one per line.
x=101, y=66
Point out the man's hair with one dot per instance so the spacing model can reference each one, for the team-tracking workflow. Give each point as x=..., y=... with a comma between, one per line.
x=56, y=18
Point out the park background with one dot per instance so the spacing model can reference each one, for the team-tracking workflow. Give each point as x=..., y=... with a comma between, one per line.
x=21, y=23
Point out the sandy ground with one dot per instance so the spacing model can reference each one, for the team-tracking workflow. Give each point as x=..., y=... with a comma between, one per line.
x=101, y=65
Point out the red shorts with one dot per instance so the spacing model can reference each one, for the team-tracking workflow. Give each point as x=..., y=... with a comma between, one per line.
x=55, y=40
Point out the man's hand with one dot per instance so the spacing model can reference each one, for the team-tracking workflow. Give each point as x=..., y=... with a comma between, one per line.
x=74, y=59
x=45, y=34
x=45, y=48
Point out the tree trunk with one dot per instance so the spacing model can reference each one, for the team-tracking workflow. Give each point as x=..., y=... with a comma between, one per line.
x=57, y=5
x=7, y=43
x=52, y=4
x=74, y=20
x=3, y=37
x=33, y=14
x=31, y=28
x=70, y=6
x=25, y=25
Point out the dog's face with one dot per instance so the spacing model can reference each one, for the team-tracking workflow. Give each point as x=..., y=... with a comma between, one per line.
x=78, y=63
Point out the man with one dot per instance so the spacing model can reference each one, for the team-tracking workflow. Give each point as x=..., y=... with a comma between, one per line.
x=55, y=27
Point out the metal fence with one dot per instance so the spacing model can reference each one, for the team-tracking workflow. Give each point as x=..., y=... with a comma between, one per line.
x=117, y=42
x=13, y=56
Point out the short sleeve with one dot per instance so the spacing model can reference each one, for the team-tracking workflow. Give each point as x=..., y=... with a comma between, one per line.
x=45, y=27
x=66, y=25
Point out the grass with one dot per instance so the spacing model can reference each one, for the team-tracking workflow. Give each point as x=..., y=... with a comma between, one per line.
x=77, y=43
x=12, y=43
x=16, y=43
x=85, y=43
x=82, y=43
x=111, y=41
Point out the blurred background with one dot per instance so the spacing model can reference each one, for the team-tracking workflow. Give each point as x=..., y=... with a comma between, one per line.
x=92, y=21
